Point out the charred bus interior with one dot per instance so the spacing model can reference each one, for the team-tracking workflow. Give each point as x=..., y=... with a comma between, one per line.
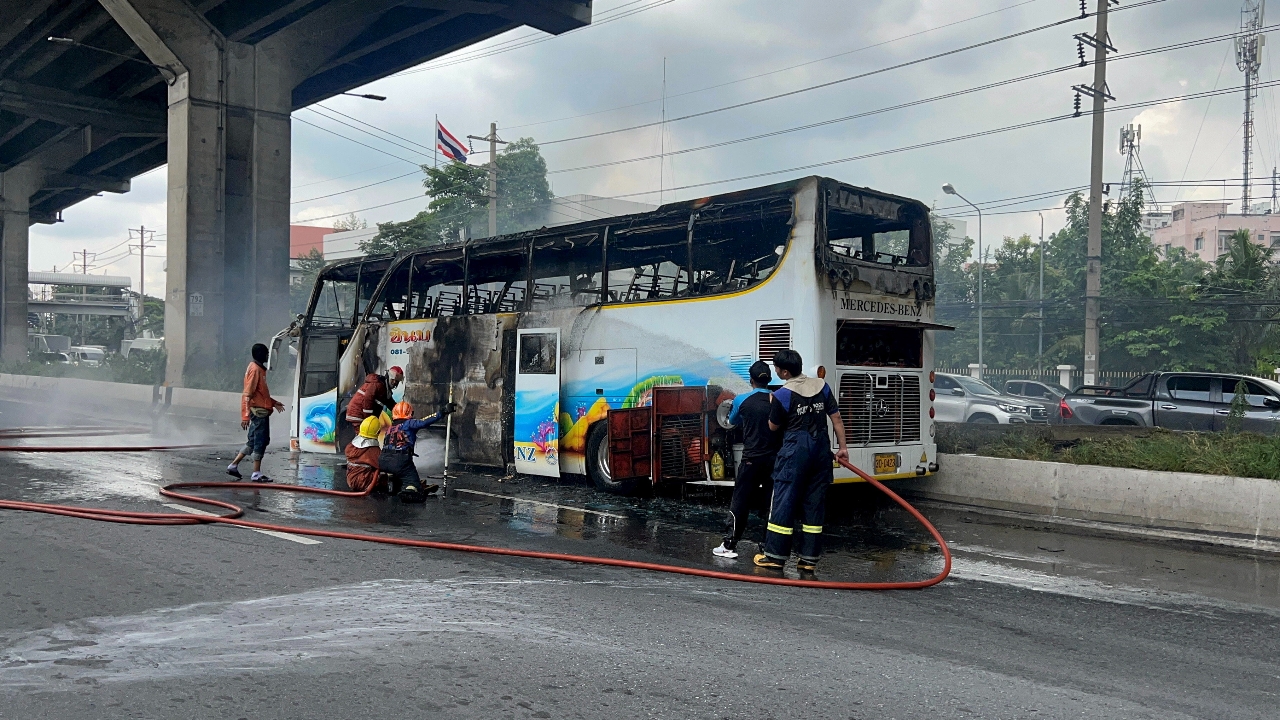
x=341, y=292
x=875, y=242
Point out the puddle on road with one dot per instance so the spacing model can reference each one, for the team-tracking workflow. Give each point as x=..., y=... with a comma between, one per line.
x=370, y=620
x=867, y=538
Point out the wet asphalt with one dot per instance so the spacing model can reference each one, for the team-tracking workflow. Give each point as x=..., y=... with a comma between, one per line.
x=107, y=620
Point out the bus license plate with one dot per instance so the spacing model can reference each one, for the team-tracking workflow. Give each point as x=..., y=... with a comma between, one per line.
x=886, y=463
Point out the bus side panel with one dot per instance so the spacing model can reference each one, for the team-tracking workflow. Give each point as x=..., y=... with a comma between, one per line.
x=467, y=351
x=616, y=355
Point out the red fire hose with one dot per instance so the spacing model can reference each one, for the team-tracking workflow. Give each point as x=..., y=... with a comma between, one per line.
x=234, y=513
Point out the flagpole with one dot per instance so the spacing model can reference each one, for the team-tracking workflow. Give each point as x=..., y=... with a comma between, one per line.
x=435, y=149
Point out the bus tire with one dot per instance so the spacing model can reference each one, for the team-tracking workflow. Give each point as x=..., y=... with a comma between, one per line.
x=598, y=464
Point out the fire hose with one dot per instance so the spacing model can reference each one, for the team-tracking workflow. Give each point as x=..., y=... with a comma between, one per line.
x=235, y=513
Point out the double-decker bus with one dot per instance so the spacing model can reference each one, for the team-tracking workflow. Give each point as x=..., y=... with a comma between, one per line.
x=611, y=347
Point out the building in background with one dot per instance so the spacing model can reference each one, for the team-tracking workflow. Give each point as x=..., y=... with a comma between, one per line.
x=302, y=240
x=1202, y=229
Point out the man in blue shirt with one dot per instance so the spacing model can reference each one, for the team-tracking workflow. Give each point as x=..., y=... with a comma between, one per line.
x=397, y=451
x=752, y=481
x=802, y=471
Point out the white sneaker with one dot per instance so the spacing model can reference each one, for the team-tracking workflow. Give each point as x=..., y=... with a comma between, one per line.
x=724, y=552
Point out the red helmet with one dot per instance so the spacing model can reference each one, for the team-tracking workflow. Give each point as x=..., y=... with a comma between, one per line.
x=396, y=370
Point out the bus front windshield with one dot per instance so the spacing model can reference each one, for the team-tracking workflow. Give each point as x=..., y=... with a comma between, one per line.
x=977, y=387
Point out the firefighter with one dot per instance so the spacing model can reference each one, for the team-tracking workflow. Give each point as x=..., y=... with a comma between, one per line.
x=373, y=395
x=753, y=481
x=362, y=456
x=802, y=471
x=397, y=453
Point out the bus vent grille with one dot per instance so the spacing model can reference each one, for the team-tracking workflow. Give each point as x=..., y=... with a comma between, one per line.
x=772, y=337
x=680, y=447
x=880, y=415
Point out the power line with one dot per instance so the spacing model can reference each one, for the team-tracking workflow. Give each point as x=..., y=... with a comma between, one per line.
x=344, y=137
x=359, y=129
x=781, y=70
x=341, y=177
x=351, y=190
x=1141, y=53
x=838, y=81
x=901, y=106
x=881, y=153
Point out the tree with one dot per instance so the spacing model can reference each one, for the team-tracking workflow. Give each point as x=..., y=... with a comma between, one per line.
x=459, y=200
x=300, y=289
x=350, y=222
x=1171, y=312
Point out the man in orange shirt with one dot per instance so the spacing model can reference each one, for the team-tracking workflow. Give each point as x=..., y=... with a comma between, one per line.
x=256, y=405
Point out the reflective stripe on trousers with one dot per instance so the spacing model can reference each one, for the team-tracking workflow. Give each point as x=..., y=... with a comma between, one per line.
x=801, y=475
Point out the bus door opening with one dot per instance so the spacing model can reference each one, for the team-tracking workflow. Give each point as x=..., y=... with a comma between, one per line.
x=537, y=402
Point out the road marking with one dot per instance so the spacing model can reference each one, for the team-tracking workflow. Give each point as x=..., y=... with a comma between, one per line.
x=283, y=536
x=539, y=502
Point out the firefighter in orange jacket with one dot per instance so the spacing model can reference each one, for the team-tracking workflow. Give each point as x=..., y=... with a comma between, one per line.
x=373, y=395
x=363, y=455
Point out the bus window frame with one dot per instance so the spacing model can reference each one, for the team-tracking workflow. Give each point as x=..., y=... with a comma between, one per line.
x=611, y=230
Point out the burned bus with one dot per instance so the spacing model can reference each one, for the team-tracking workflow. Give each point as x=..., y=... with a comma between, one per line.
x=610, y=348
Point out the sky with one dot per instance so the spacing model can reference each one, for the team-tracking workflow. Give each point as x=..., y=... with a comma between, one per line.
x=718, y=53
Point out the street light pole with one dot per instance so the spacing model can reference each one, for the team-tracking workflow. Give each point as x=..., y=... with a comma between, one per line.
x=950, y=189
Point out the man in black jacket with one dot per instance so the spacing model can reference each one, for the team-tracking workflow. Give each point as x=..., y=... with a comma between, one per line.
x=753, y=481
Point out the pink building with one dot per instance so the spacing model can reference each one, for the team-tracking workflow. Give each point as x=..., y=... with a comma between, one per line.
x=1202, y=229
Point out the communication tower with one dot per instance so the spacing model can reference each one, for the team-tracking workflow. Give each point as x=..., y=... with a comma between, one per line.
x=1130, y=148
x=1249, y=58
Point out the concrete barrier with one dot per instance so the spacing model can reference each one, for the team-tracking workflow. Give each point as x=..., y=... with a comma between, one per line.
x=187, y=402
x=1180, y=501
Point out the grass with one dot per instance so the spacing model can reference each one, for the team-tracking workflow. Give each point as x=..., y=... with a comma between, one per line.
x=1236, y=454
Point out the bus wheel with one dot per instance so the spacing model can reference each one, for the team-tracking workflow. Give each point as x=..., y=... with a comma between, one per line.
x=598, y=464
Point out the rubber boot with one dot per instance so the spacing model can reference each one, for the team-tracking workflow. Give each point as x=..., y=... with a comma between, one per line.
x=411, y=494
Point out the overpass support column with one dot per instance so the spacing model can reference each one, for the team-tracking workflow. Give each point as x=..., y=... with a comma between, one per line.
x=16, y=186
x=228, y=192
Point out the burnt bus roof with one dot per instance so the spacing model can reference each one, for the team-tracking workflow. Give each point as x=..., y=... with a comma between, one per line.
x=678, y=212
x=350, y=269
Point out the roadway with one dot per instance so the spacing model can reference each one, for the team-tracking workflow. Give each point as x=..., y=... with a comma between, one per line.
x=101, y=620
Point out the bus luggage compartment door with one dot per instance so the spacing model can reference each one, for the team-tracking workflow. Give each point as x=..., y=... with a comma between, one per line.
x=631, y=443
x=537, y=412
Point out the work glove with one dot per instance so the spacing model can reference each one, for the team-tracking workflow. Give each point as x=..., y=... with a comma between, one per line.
x=448, y=408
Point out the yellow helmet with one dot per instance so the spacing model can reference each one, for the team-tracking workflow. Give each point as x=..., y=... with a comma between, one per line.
x=370, y=427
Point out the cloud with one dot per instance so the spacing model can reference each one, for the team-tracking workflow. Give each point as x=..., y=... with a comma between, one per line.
x=589, y=76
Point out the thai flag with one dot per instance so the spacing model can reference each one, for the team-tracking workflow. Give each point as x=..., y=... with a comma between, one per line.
x=450, y=145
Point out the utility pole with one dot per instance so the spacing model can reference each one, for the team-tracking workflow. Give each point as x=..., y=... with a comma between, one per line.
x=84, y=261
x=492, y=137
x=1249, y=58
x=1101, y=44
x=142, y=268
x=1040, y=341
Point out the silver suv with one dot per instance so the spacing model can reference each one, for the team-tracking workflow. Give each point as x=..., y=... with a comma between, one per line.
x=960, y=398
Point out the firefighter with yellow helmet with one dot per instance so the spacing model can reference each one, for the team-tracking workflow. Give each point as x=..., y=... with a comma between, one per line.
x=362, y=456
x=397, y=450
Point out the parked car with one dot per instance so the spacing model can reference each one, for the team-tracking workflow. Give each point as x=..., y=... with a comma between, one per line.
x=1047, y=394
x=87, y=355
x=1178, y=401
x=959, y=398
x=143, y=343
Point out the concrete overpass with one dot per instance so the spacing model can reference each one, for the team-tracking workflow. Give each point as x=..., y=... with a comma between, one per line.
x=79, y=118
